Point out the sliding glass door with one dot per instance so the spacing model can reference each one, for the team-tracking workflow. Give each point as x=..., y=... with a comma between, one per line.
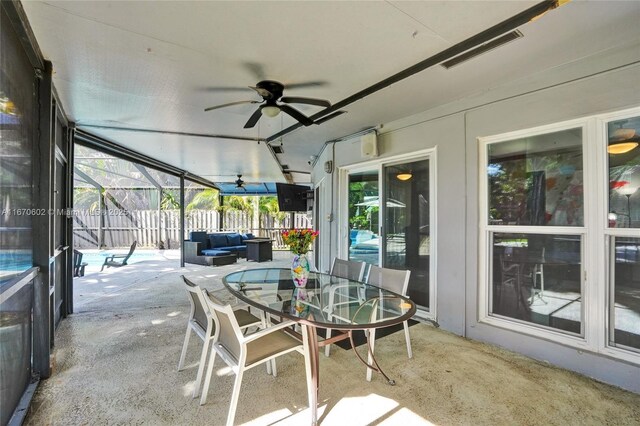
x=390, y=221
x=406, y=231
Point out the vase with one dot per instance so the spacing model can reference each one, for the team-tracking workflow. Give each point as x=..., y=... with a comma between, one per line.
x=300, y=270
x=299, y=304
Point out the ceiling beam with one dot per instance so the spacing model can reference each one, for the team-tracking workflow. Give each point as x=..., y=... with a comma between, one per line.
x=145, y=173
x=171, y=132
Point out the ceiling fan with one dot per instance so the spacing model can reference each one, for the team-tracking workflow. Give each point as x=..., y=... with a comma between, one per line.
x=273, y=103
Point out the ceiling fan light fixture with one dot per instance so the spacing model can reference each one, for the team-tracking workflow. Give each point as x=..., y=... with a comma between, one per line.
x=270, y=111
x=404, y=176
x=623, y=134
x=621, y=147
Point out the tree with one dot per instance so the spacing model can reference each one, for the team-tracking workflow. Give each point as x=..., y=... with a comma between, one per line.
x=207, y=199
x=169, y=201
x=269, y=206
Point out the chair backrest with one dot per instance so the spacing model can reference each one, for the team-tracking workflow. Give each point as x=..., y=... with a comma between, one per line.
x=199, y=307
x=199, y=237
x=133, y=247
x=229, y=334
x=348, y=269
x=77, y=258
x=395, y=280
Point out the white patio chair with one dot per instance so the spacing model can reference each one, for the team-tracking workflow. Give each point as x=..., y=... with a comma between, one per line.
x=396, y=281
x=202, y=324
x=350, y=270
x=241, y=352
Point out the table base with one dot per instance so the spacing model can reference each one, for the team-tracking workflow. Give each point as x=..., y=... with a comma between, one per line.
x=312, y=366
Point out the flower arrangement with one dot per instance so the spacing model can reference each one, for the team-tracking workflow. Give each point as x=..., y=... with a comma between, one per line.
x=299, y=240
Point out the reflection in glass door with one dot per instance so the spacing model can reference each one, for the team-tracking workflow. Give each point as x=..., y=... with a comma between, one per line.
x=406, y=231
x=364, y=209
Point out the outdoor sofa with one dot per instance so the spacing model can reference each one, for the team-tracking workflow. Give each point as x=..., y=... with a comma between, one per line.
x=215, y=248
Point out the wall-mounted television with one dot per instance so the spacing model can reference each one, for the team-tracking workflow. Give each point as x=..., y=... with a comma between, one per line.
x=292, y=198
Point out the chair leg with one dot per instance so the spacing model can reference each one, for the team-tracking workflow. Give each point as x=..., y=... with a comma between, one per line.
x=327, y=349
x=203, y=361
x=207, y=379
x=407, y=338
x=371, y=338
x=271, y=365
x=263, y=322
x=183, y=354
x=233, y=405
x=103, y=266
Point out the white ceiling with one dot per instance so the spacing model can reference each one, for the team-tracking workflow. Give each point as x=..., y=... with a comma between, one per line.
x=146, y=65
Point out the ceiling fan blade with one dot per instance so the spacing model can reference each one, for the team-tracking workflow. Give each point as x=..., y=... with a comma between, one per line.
x=254, y=118
x=329, y=117
x=304, y=84
x=309, y=101
x=296, y=114
x=230, y=104
x=262, y=92
x=223, y=89
x=256, y=69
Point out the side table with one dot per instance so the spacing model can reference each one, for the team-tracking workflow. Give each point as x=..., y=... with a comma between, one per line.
x=259, y=250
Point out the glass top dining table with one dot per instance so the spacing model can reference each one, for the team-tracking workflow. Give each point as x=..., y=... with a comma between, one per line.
x=327, y=302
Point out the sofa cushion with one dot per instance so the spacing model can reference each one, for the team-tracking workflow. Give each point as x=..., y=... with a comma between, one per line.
x=199, y=237
x=234, y=240
x=214, y=252
x=236, y=248
x=247, y=236
x=218, y=240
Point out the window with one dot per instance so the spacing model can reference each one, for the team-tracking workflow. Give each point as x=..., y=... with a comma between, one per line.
x=623, y=223
x=535, y=221
x=560, y=233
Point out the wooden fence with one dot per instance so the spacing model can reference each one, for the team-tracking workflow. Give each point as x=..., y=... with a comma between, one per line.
x=119, y=229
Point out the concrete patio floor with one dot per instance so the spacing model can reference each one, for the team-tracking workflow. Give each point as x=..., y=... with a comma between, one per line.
x=116, y=358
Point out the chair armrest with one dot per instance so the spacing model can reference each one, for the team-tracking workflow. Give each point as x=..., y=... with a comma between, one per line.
x=193, y=248
x=117, y=256
x=264, y=332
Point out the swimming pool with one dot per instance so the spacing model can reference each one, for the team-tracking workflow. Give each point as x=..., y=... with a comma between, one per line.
x=13, y=263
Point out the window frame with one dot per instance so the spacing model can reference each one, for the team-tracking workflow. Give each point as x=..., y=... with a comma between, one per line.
x=607, y=234
x=485, y=252
x=596, y=283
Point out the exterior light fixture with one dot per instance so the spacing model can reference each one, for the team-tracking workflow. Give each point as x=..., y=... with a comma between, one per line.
x=404, y=176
